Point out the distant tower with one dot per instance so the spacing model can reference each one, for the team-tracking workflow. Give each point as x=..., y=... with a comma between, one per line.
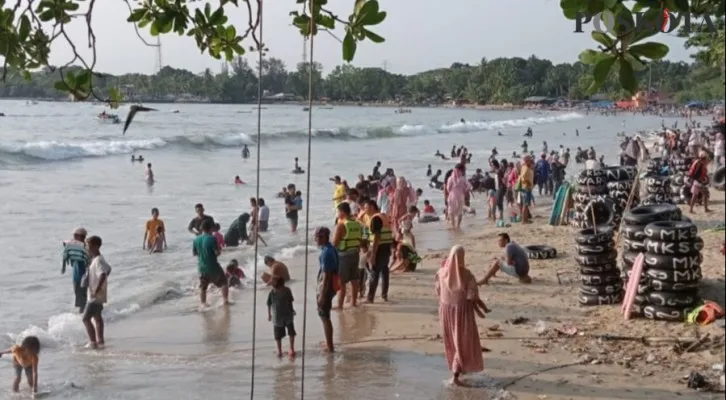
x=385, y=65
x=159, y=64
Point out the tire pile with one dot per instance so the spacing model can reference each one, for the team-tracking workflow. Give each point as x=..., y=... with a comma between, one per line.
x=668, y=285
x=620, y=182
x=592, y=196
x=679, y=186
x=659, y=190
x=599, y=273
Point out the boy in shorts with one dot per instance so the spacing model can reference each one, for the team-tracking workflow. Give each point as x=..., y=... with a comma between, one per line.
x=282, y=314
x=206, y=249
x=97, y=278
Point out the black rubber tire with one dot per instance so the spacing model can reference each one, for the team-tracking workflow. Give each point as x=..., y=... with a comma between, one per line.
x=633, y=245
x=577, y=222
x=585, y=198
x=539, y=252
x=657, y=190
x=636, y=311
x=719, y=179
x=604, y=212
x=593, y=249
x=591, y=173
x=640, y=300
x=674, y=248
x=619, y=194
x=643, y=215
x=674, y=299
x=589, y=237
x=659, y=198
x=662, y=202
x=675, y=276
x=632, y=231
x=579, y=207
x=663, y=286
x=601, y=279
x=678, y=180
x=591, y=181
x=657, y=181
x=617, y=174
x=597, y=259
x=671, y=231
x=599, y=269
x=623, y=186
x=673, y=314
x=601, y=290
x=673, y=263
x=629, y=257
x=590, y=300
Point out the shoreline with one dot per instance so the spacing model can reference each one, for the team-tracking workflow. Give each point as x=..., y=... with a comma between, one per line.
x=633, y=370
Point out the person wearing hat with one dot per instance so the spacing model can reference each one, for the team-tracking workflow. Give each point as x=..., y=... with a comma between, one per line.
x=698, y=173
x=276, y=269
x=327, y=276
x=75, y=254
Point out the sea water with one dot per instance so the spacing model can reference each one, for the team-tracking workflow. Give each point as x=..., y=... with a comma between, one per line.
x=61, y=168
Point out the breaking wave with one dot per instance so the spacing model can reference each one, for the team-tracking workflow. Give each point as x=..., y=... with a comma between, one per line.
x=52, y=150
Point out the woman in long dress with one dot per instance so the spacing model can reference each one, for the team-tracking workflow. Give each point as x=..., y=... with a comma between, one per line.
x=401, y=199
x=456, y=189
x=459, y=303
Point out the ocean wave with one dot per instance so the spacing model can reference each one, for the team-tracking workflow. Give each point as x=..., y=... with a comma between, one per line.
x=53, y=150
x=67, y=328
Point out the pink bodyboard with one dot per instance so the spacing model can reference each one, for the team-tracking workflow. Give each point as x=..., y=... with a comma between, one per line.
x=632, y=288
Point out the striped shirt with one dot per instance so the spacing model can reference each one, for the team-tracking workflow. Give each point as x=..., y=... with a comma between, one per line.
x=75, y=254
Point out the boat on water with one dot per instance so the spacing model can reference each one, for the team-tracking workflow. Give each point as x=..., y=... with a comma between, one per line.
x=109, y=118
x=403, y=111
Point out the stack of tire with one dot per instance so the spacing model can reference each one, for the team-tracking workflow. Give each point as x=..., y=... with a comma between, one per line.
x=718, y=181
x=659, y=190
x=672, y=269
x=679, y=186
x=620, y=181
x=654, y=166
x=633, y=243
x=597, y=260
x=591, y=198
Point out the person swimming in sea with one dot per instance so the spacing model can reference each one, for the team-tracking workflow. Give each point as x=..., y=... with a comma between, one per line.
x=525, y=145
x=428, y=171
x=238, y=181
x=499, y=133
x=440, y=155
x=434, y=183
x=529, y=132
x=514, y=154
x=297, y=169
x=140, y=158
x=245, y=152
x=462, y=121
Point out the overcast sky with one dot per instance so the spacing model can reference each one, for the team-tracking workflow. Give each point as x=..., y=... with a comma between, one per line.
x=420, y=35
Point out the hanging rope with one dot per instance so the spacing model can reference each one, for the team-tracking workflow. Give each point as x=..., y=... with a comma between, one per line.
x=311, y=67
x=261, y=46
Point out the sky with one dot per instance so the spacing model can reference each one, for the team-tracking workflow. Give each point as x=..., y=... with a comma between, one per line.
x=420, y=35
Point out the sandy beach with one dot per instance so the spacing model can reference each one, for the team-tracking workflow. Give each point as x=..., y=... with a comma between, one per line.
x=607, y=370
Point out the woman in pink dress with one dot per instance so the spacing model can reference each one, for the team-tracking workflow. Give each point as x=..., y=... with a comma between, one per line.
x=459, y=303
x=456, y=189
x=401, y=199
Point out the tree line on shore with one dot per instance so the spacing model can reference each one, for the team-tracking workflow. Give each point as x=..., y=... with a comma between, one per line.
x=495, y=81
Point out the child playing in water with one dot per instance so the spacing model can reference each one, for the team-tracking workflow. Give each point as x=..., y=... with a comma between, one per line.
x=492, y=196
x=282, y=314
x=234, y=274
x=218, y=235
x=406, y=224
x=25, y=358
x=157, y=244
x=429, y=213
x=406, y=257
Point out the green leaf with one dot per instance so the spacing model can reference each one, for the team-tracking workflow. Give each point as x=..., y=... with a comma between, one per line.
x=573, y=5
x=154, y=28
x=636, y=63
x=627, y=76
x=84, y=78
x=61, y=86
x=349, y=47
x=652, y=50
x=373, y=37
x=603, y=38
x=137, y=15
x=24, y=29
x=326, y=21
x=602, y=68
x=682, y=5
x=590, y=57
x=595, y=6
x=26, y=75
x=610, y=3
x=230, y=33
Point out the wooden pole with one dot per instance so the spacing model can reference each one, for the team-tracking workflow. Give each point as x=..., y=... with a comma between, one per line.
x=592, y=209
x=631, y=196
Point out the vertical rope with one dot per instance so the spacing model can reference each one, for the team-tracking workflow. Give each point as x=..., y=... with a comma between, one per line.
x=311, y=68
x=257, y=196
